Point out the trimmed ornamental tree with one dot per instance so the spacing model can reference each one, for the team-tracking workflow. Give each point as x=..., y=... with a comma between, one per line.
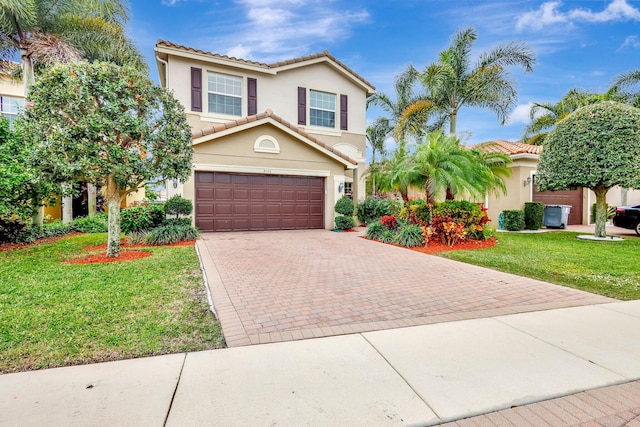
x=598, y=147
x=21, y=188
x=109, y=126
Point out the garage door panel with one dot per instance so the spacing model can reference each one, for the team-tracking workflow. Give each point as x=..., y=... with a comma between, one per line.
x=219, y=178
x=237, y=202
x=241, y=209
x=221, y=194
x=205, y=209
x=573, y=198
x=287, y=195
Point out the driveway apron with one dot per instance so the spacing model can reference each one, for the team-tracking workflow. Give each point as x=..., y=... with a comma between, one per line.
x=288, y=285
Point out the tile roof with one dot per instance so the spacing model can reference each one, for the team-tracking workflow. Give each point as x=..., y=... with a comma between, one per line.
x=219, y=127
x=509, y=147
x=274, y=65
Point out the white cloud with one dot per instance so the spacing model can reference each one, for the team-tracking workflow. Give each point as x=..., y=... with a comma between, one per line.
x=547, y=14
x=271, y=30
x=630, y=42
x=520, y=114
x=170, y=2
x=617, y=10
x=550, y=14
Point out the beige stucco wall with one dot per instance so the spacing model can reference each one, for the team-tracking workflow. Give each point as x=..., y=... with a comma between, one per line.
x=278, y=92
x=11, y=87
x=517, y=193
x=235, y=153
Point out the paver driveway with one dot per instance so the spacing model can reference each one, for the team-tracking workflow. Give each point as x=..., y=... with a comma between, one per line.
x=286, y=285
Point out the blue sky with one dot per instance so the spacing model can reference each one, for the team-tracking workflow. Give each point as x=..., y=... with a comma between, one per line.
x=578, y=44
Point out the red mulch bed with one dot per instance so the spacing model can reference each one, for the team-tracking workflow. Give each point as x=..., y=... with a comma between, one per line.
x=126, y=245
x=465, y=245
x=435, y=247
x=125, y=255
x=350, y=230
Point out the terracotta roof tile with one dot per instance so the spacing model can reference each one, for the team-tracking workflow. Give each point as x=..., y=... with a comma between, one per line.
x=509, y=147
x=267, y=66
x=218, y=127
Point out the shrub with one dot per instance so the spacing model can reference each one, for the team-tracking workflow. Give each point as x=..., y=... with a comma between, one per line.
x=488, y=232
x=16, y=231
x=55, y=229
x=177, y=205
x=389, y=221
x=533, y=214
x=462, y=211
x=344, y=206
x=416, y=212
x=410, y=236
x=375, y=230
x=167, y=234
x=137, y=218
x=513, y=220
x=98, y=223
x=137, y=237
x=177, y=221
x=387, y=236
x=372, y=208
x=447, y=230
x=344, y=222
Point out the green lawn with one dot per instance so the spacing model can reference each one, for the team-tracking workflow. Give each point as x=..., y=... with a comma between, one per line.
x=54, y=315
x=607, y=268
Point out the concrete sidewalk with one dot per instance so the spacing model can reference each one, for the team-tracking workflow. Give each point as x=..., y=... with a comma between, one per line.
x=423, y=375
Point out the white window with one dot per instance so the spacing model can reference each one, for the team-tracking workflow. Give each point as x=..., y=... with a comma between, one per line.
x=322, y=109
x=10, y=107
x=224, y=94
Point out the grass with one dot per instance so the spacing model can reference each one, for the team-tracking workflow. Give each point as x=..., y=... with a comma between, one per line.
x=606, y=268
x=55, y=315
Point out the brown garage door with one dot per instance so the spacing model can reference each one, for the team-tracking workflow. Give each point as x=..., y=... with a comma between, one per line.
x=564, y=197
x=240, y=202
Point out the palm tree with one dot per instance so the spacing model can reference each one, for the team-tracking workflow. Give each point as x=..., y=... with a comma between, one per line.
x=396, y=173
x=453, y=82
x=624, y=84
x=43, y=32
x=544, y=116
x=377, y=133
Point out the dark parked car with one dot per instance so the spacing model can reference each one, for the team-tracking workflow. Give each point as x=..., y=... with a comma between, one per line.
x=628, y=217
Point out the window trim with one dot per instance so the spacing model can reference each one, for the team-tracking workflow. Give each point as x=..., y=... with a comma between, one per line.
x=334, y=95
x=258, y=148
x=241, y=96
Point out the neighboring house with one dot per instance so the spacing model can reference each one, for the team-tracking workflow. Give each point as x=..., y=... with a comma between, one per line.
x=521, y=186
x=275, y=145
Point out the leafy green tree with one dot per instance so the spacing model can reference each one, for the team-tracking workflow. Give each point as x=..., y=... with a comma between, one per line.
x=396, y=173
x=109, y=126
x=598, y=147
x=47, y=32
x=21, y=188
x=453, y=82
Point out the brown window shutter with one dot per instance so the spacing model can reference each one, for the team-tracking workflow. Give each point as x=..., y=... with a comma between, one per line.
x=252, y=96
x=196, y=89
x=302, y=106
x=343, y=112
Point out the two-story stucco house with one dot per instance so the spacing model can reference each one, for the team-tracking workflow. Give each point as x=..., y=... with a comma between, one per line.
x=275, y=145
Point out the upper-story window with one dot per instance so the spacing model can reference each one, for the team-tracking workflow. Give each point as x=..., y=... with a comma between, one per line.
x=224, y=94
x=10, y=106
x=322, y=109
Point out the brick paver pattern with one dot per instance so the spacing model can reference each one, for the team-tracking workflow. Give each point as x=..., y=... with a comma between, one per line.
x=287, y=285
x=613, y=406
